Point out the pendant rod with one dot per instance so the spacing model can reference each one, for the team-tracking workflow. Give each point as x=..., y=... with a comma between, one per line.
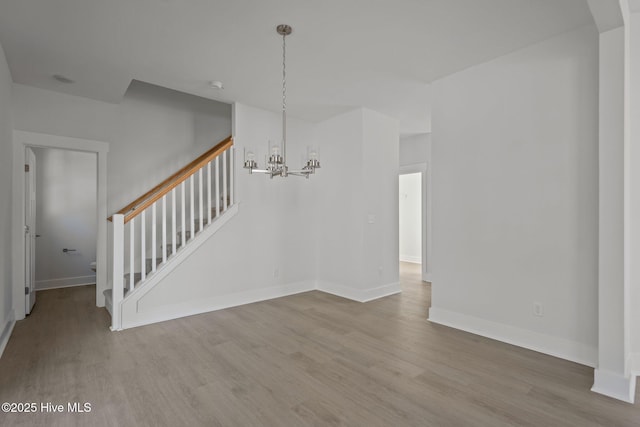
x=284, y=99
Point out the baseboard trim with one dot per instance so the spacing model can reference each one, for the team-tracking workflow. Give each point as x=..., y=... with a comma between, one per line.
x=65, y=282
x=9, y=324
x=542, y=343
x=191, y=308
x=360, y=295
x=410, y=258
x=134, y=315
x=614, y=385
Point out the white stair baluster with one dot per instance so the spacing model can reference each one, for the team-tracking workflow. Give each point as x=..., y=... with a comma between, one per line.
x=209, y=193
x=183, y=234
x=132, y=253
x=217, y=186
x=174, y=232
x=224, y=180
x=153, y=237
x=186, y=222
x=143, y=245
x=191, y=208
x=232, y=155
x=200, y=201
x=164, y=228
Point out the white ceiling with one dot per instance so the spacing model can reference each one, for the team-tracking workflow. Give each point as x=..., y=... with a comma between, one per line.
x=380, y=54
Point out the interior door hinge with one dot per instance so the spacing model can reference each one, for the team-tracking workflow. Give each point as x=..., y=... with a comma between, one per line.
x=26, y=290
x=26, y=168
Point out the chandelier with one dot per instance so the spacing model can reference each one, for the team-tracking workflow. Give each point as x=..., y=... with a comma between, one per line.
x=277, y=162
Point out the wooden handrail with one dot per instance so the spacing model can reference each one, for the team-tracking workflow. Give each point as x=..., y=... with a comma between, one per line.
x=134, y=208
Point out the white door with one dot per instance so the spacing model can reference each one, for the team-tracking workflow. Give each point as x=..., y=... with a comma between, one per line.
x=30, y=230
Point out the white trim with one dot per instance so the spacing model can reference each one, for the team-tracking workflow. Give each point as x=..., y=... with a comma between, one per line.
x=547, y=344
x=427, y=255
x=137, y=317
x=219, y=302
x=9, y=324
x=411, y=258
x=359, y=295
x=117, y=268
x=129, y=306
x=184, y=253
x=614, y=385
x=133, y=315
x=65, y=282
x=22, y=139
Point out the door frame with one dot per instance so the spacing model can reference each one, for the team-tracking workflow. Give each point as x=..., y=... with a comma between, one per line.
x=21, y=140
x=425, y=170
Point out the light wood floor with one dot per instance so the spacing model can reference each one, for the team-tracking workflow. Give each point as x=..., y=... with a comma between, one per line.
x=308, y=359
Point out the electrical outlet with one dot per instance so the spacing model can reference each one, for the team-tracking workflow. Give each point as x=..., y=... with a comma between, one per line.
x=276, y=273
x=537, y=309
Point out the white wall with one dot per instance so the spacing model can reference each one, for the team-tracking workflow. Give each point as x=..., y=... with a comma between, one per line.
x=415, y=149
x=339, y=217
x=6, y=170
x=410, y=221
x=632, y=183
x=54, y=113
x=66, y=217
x=152, y=133
x=356, y=197
x=158, y=132
x=269, y=248
x=611, y=202
x=515, y=197
x=266, y=250
x=380, y=184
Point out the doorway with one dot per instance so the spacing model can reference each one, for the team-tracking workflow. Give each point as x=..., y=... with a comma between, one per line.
x=414, y=220
x=66, y=218
x=98, y=151
x=410, y=217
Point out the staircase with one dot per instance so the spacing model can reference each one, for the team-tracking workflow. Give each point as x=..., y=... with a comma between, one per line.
x=157, y=231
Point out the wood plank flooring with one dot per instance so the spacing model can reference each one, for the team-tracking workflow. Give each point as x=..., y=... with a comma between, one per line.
x=310, y=359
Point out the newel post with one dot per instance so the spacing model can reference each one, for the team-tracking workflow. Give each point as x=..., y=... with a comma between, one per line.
x=118, y=271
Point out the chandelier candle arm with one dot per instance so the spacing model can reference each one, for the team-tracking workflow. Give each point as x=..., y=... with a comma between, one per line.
x=277, y=163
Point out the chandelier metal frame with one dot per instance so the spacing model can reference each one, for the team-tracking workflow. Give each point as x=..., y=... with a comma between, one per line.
x=277, y=162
